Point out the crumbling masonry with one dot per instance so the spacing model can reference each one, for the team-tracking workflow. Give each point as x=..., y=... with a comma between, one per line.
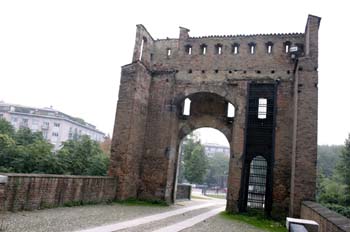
x=270, y=80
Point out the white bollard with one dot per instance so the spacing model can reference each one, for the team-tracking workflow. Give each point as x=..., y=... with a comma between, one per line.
x=311, y=226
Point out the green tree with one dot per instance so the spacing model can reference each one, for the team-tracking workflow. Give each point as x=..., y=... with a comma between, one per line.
x=83, y=156
x=7, y=152
x=24, y=136
x=187, y=146
x=6, y=128
x=331, y=192
x=36, y=157
x=189, y=143
x=7, y=145
x=26, y=152
x=217, y=167
x=327, y=158
x=195, y=164
x=98, y=165
x=343, y=168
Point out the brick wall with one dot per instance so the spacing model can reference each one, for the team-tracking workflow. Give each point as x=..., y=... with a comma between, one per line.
x=329, y=221
x=304, y=154
x=36, y=191
x=130, y=123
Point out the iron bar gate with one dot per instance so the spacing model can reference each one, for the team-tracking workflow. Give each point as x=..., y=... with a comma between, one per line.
x=259, y=148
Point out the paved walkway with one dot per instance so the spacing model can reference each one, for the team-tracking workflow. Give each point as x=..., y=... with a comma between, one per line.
x=158, y=217
x=186, y=216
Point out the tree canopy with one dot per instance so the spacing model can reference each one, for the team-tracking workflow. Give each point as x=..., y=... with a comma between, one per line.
x=24, y=151
x=217, y=167
x=194, y=160
x=83, y=156
x=333, y=177
x=343, y=168
x=196, y=167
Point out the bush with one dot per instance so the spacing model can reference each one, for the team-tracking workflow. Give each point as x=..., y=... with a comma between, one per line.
x=24, y=151
x=343, y=210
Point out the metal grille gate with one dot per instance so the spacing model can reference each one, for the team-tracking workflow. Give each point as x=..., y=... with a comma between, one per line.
x=257, y=183
x=259, y=147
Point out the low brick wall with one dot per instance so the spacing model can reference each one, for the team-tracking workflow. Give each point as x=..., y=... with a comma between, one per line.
x=36, y=191
x=183, y=191
x=328, y=220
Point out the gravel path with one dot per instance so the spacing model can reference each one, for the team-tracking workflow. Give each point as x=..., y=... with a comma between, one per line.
x=83, y=217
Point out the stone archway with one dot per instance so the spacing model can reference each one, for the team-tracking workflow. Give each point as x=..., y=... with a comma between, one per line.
x=208, y=109
x=275, y=95
x=213, y=146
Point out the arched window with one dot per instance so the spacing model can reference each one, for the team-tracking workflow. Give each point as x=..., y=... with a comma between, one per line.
x=188, y=49
x=218, y=49
x=257, y=183
x=287, y=45
x=187, y=107
x=269, y=46
x=252, y=48
x=235, y=48
x=203, y=49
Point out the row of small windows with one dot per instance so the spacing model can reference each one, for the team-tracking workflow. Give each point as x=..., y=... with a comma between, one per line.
x=24, y=122
x=235, y=49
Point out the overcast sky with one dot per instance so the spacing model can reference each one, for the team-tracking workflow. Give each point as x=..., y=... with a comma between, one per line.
x=67, y=54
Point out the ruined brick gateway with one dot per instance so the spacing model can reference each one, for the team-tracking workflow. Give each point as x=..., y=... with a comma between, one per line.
x=272, y=88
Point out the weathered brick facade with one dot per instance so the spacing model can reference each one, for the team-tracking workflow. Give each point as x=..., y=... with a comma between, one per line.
x=149, y=122
x=37, y=191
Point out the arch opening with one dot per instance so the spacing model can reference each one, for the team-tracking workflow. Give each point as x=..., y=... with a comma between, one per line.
x=203, y=162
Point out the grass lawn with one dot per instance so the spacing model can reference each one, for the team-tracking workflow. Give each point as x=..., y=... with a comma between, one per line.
x=257, y=220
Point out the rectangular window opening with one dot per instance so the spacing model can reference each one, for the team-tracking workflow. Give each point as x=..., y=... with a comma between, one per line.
x=188, y=49
x=187, y=107
x=262, y=108
x=141, y=49
x=287, y=48
x=230, y=111
x=269, y=49
x=168, y=52
x=252, y=49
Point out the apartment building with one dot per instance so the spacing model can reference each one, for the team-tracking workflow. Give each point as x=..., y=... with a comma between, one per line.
x=213, y=148
x=55, y=126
